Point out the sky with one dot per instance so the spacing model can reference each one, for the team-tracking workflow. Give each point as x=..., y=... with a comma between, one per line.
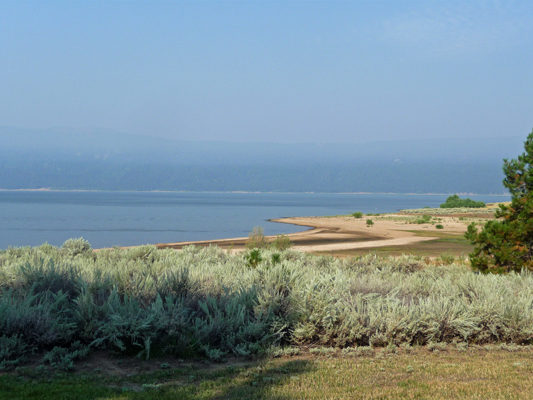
x=274, y=71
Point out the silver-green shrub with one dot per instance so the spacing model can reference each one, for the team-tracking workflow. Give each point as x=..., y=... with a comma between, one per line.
x=204, y=301
x=76, y=247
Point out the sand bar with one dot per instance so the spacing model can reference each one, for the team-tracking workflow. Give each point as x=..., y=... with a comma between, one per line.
x=344, y=233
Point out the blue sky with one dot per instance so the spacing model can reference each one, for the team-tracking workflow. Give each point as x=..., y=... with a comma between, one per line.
x=278, y=71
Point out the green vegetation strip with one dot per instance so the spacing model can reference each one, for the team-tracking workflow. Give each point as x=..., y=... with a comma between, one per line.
x=439, y=234
x=448, y=211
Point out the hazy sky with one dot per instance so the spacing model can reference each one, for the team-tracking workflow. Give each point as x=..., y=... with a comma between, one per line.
x=281, y=71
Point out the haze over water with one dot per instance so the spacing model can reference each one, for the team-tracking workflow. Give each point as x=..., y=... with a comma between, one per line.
x=107, y=219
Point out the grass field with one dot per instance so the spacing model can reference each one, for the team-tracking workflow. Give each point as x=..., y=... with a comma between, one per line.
x=446, y=243
x=449, y=373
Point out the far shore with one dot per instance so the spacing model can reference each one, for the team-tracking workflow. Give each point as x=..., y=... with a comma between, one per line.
x=242, y=191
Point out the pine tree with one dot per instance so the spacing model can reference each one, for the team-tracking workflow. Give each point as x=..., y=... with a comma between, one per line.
x=506, y=244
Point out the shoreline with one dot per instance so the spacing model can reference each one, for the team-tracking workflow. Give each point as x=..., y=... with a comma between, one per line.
x=248, y=192
x=346, y=235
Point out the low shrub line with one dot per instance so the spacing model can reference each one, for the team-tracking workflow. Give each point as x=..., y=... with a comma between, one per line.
x=203, y=301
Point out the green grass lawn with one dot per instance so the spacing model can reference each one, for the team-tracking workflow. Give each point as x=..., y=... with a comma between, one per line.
x=479, y=373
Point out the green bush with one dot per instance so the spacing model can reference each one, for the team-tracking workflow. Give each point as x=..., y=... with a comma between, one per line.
x=425, y=219
x=75, y=247
x=256, y=239
x=177, y=283
x=63, y=358
x=13, y=350
x=446, y=258
x=282, y=242
x=456, y=202
x=369, y=222
x=439, y=226
x=275, y=258
x=146, y=254
x=253, y=258
x=357, y=214
x=44, y=276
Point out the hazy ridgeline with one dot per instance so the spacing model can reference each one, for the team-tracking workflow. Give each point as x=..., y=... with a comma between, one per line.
x=203, y=301
x=107, y=160
x=357, y=176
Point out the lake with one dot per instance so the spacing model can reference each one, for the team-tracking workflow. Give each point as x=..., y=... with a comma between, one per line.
x=105, y=219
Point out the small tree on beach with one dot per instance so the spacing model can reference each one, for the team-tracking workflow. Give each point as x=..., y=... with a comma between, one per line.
x=282, y=242
x=256, y=239
x=506, y=244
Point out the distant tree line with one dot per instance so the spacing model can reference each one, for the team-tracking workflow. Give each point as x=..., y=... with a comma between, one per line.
x=456, y=202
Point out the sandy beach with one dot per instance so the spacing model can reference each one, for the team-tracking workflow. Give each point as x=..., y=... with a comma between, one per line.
x=339, y=234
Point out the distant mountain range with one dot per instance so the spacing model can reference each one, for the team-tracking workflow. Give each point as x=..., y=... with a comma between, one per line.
x=109, y=160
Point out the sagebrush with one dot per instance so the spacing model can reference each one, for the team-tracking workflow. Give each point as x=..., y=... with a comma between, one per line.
x=146, y=302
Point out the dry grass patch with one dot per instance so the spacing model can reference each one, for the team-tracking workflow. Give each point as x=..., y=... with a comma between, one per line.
x=455, y=245
x=476, y=374
x=454, y=372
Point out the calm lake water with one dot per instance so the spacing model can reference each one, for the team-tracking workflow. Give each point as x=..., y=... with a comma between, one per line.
x=132, y=218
